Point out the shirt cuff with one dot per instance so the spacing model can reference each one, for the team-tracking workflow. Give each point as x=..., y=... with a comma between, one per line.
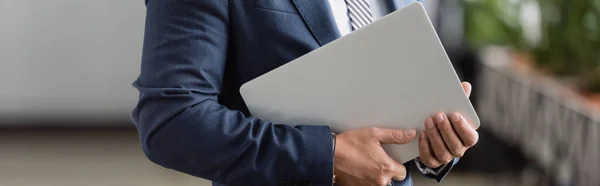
x=435, y=173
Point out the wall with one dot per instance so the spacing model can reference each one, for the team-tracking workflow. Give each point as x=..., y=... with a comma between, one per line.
x=69, y=59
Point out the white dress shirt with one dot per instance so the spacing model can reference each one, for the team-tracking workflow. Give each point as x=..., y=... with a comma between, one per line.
x=378, y=8
x=340, y=13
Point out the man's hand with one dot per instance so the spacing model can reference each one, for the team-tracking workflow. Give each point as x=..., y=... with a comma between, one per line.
x=446, y=138
x=360, y=160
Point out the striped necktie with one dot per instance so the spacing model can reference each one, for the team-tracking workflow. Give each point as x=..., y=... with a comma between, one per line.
x=359, y=12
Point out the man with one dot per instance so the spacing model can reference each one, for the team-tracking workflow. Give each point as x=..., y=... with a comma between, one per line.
x=191, y=118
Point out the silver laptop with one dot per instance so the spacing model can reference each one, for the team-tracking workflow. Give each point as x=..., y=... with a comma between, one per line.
x=393, y=73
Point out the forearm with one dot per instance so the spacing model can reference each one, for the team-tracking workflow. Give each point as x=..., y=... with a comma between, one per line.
x=205, y=139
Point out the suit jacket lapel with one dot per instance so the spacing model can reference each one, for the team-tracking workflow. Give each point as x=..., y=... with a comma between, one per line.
x=320, y=21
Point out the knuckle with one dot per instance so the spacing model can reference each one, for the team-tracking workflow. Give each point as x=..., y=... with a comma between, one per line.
x=397, y=135
x=445, y=127
x=373, y=130
x=401, y=172
x=432, y=163
x=445, y=158
x=458, y=152
x=382, y=180
x=399, y=177
x=432, y=134
x=471, y=142
x=403, y=176
x=401, y=169
x=386, y=168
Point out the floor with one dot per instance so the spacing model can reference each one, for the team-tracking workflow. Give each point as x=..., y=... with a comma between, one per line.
x=112, y=157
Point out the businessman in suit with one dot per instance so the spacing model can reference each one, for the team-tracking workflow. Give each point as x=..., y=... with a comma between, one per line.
x=191, y=118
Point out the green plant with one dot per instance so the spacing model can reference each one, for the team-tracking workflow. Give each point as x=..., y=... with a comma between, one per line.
x=492, y=22
x=570, y=34
x=571, y=40
x=569, y=45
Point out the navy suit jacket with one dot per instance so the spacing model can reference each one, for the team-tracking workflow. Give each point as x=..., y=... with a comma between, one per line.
x=190, y=115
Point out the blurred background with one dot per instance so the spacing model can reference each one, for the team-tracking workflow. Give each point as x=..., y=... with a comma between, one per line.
x=66, y=68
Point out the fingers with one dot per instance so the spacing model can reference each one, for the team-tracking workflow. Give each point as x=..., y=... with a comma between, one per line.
x=467, y=87
x=437, y=142
x=399, y=172
x=394, y=136
x=445, y=138
x=451, y=139
x=467, y=134
x=425, y=153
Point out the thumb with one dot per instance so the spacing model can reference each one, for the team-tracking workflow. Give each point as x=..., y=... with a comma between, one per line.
x=396, y=136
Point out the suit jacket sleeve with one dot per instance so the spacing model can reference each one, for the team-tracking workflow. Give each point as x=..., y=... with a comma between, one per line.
x=183, y=127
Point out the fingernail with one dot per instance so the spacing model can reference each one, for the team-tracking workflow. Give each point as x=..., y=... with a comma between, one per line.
x=429, y=123
x=410, y=133
x=439, y=117
x=422, y=135
x=455, y=117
